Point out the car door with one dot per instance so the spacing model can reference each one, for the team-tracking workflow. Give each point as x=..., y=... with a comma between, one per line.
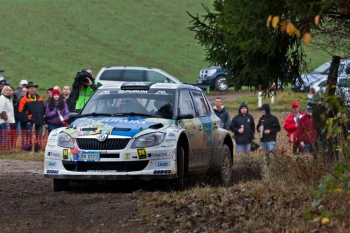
x=206, y=125
x=192, y=126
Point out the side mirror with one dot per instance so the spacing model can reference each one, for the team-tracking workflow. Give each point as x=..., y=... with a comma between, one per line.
x=73, y=115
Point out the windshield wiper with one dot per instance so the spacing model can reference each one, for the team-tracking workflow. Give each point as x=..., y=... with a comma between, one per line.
x=137, y=114
x=95, y=114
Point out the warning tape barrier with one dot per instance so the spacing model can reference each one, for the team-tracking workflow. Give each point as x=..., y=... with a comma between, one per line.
x=27, y=140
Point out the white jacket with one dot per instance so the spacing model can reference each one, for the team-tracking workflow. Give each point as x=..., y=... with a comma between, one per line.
x=7, y=106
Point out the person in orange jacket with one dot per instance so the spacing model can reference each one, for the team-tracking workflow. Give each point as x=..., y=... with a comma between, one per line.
x=31, y=110
x=291, y=125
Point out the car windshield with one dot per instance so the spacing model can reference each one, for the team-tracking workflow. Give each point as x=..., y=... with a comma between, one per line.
x=154, y=102
x=323, y=68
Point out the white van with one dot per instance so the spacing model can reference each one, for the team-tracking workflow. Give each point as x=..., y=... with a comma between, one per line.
x=119, y=74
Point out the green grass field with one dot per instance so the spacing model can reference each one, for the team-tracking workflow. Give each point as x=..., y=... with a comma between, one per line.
x=49, y=41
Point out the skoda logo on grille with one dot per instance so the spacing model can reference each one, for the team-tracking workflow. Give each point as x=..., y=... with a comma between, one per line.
x=101, y=137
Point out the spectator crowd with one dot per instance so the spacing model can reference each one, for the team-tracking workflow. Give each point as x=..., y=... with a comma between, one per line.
x=24, y=110
x=300, y=128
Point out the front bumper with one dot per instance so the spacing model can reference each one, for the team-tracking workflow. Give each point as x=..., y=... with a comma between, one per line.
x=204, y=83
x=112, y=177
x=155, y=163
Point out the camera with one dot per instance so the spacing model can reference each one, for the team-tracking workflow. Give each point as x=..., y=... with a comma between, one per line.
x=80, y=78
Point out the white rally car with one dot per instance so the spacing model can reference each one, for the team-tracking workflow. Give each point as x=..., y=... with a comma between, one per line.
x=140, y=131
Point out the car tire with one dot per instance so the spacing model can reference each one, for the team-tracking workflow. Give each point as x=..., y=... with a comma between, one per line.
x=226, y=166
x=221, y=84
x=60, y=185
x=180, y=165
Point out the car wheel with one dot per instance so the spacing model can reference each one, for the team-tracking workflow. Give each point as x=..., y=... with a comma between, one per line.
x=226, y=166
x=221, y=84
x=60, y=185
x=180, y=164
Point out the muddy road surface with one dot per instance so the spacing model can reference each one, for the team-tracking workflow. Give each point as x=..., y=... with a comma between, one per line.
x=28, y=204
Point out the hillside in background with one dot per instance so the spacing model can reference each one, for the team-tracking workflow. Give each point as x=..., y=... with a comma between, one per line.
x=48, y=41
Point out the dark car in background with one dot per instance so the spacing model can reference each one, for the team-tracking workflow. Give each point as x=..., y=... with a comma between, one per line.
x=213, y=77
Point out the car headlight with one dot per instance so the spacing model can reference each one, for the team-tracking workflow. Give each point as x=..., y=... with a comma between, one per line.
x=64, y=140
x=211, y=72
x=148, y=140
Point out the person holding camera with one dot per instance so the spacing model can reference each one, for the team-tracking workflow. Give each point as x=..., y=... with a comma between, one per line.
x=83, y=87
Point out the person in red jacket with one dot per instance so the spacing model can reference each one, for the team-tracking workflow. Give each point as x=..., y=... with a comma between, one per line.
x=306, y=131
x=291, y=125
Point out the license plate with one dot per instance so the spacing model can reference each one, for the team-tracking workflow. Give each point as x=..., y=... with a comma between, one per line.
x=90, y=155
x=199, y=81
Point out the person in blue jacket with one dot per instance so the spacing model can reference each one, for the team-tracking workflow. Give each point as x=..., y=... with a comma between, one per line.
x=243, y=126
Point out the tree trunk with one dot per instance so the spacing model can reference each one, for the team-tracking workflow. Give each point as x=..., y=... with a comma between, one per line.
x=333, y=75
x=330, y=113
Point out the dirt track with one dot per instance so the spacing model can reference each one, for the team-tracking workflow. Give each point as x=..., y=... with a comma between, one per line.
x=230, y=95
x=28, y=204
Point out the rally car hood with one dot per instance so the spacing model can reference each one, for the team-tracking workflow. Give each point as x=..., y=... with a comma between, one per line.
x=118, y=126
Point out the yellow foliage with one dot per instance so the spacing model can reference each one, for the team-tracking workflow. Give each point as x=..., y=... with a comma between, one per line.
x=290, y=29
x=329, y=135
x=275, y=21
x=268, y=21
x=329, y=121
x=338, y=130
x=283, y=26
x=338, y=190
x=317, y=20
x=325, y=220
x=307, y=38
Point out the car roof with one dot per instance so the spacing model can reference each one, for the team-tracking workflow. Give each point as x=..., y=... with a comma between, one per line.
x=135, y=85
x=139, y=68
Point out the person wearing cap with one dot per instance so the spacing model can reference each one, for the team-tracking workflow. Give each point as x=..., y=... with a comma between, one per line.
x=222, y=113
x=56, y=111
x=31, y=111
x=3, y=83
x=18, y=92
x=268, y=127
x=243, y=126
x=291, y=124
x=306, y=131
